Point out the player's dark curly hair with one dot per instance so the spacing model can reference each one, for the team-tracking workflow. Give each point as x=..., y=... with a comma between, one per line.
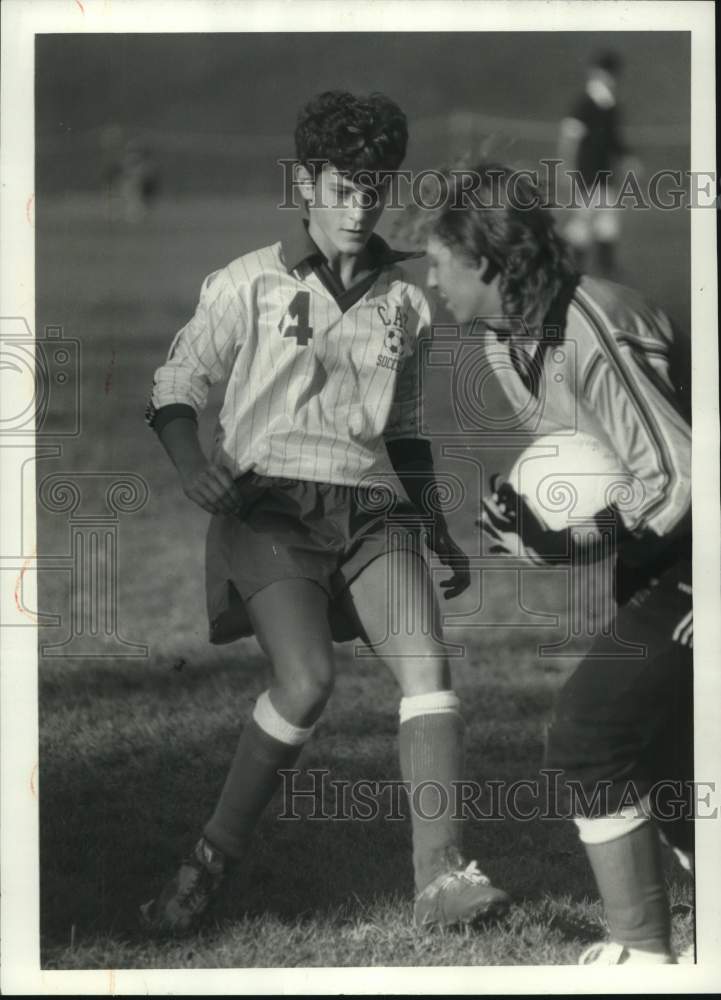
x=353, y=133
x=502, y=219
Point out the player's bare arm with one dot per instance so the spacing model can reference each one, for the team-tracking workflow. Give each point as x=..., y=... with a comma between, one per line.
x=206, y=483
x=452, y=556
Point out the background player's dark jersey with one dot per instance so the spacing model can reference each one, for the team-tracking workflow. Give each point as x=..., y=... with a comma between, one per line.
x=601, y=143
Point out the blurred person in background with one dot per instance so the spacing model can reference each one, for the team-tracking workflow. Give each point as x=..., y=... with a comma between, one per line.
x=591, y=144
x=132, y=175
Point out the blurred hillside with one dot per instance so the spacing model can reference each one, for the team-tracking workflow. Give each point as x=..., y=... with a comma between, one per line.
x=217, y=111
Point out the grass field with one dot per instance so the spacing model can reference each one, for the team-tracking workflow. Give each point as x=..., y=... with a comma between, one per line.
x=133, y=752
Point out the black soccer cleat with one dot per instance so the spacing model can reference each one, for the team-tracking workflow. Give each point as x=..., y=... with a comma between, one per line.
x=184, y=899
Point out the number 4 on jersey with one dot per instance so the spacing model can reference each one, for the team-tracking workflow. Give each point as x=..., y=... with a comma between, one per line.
x=299, y=310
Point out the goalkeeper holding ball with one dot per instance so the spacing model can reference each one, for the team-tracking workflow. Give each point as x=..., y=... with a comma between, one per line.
x=620, y=722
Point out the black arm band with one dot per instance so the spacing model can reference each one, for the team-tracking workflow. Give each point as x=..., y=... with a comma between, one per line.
x=412, y=460
x=410, y=453
x=161, y=417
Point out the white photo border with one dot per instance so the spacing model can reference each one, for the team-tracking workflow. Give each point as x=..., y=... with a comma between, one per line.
x=21, y=21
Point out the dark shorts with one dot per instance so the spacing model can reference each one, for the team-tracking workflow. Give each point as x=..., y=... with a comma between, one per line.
x=292, y=529
x=629, y=718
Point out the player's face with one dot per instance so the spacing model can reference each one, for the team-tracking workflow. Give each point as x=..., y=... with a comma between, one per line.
x=458, y=283
x=343, y=214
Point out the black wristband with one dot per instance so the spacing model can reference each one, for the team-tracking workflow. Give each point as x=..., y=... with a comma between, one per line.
x=161, y=417
x=406, y=453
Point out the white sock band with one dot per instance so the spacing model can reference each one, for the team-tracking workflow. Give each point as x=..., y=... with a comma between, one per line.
x=606, y=828
x=272, y=723
x=429, y=704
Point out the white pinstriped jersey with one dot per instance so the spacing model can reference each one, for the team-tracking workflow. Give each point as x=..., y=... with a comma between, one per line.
x=610, y=378
x=312, y=391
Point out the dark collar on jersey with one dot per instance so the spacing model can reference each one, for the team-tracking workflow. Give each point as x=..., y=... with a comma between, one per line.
x=529, y=365
x=554, y=322
x=299, y=246
x=553, y=327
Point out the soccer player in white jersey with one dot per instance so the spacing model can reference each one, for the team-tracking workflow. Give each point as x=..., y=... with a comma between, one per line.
x=316, y=339
x=621, y=723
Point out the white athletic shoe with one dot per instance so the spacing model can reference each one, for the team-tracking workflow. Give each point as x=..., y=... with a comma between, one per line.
x=460, y=895
x=612, y=953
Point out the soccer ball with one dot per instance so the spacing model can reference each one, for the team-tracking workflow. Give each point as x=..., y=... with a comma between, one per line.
x=395, y=342
x=569, y=480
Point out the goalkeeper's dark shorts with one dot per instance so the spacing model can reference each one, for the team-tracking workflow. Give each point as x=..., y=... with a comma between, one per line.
x=623, y=723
